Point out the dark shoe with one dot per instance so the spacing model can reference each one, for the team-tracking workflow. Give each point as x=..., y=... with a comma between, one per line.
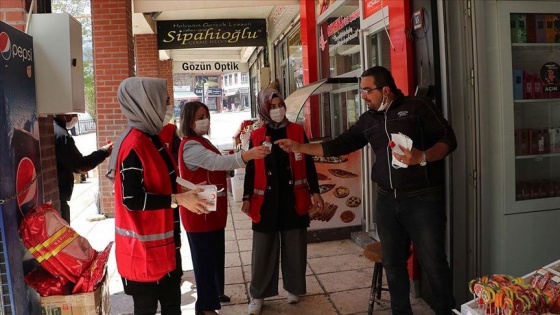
x=224, y=298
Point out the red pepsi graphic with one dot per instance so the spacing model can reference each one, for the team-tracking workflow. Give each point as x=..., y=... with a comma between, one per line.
x=5, y=46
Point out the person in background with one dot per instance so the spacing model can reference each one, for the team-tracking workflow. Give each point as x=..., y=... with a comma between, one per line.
x=410, y=195
x=69, y=160
x=200, y=161
x=169, y=137
x=278, y=193
x=147, y=231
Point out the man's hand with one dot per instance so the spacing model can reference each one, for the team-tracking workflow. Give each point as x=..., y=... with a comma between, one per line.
x=289, y=145
x=108, y=147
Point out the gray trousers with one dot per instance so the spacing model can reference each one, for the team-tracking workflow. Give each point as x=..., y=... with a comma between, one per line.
x=269, y=249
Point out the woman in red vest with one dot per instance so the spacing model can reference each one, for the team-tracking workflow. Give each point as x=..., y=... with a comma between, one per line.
x=200, y=161
x=278, y=192
x=147, y=232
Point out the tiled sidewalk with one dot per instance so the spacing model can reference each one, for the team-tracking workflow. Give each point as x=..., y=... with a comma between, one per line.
x=338, y=275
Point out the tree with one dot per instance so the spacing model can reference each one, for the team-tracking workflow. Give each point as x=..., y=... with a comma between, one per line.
x=81, y=11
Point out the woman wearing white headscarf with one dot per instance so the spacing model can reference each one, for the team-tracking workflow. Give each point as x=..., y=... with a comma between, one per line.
x=147, y=238
x=278, y=192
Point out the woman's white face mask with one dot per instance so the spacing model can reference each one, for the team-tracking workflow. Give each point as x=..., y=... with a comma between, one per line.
x=278, y=114
x=202, y=126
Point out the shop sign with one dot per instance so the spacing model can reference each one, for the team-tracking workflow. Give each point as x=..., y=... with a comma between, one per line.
x=371, y=7
x=205, y=84
x=209, y=66
x=341, y=31
x=211, y=33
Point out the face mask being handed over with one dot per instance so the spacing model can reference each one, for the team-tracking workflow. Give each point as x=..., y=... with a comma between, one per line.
x=278, y=114
x=202, y=126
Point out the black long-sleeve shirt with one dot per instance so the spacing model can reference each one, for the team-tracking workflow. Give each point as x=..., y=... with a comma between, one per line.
x=416, y=117
x=69, y=160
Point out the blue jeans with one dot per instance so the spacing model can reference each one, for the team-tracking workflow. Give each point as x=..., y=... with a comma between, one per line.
x=420, y=219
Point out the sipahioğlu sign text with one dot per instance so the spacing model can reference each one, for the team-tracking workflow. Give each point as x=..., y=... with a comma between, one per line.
x=209, y=66
x=211, y=33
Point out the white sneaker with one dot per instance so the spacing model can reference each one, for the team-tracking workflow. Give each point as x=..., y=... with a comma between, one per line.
x=292, y=298
x=255, y=307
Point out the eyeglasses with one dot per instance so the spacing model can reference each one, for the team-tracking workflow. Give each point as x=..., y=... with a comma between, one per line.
x=369, y=90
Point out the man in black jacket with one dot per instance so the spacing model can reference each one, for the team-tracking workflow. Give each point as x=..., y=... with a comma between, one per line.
x=69, y=160
x=410, y=182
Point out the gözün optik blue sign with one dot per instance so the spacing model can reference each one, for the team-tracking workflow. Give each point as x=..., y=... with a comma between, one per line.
x=211, y=33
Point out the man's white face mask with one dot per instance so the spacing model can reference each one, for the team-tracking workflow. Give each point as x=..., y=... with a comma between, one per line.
x=383, y=105
x=278, y=114
x=202, y=126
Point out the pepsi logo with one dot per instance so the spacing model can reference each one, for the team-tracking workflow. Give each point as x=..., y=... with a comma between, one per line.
x=5, y=46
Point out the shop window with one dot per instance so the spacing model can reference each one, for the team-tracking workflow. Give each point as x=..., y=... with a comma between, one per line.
x=289, y=63
x=339, y=41
x=339, y=55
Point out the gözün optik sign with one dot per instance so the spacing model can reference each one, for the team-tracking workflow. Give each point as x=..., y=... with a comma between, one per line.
x=211, y=33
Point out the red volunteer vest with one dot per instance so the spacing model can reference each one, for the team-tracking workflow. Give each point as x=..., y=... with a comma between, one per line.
x=297, y=164
x=144, y=244
x=215, y=220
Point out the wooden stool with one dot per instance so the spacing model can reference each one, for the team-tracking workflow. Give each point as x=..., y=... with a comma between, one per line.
x=373, y=253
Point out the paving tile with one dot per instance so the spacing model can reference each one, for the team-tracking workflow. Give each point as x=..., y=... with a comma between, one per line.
x=246, y=257
x=333, y=248
x=237, y=293
x=244, y=234
x=352, y=301
x=230, y=235
x=234, y=275
x=245, y=245
x=232, y=260
x=339, y=263
x=243, y=224
x=345, y=280
x=231, y=247
x=308, y=305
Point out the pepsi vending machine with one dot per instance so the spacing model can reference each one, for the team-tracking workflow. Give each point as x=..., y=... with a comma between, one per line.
x=20, y=164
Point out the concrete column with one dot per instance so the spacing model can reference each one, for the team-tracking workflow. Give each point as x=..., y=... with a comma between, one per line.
x=113, y=55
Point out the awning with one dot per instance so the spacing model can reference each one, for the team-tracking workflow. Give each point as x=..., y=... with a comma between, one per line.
x=184, y=95
x=231, y=92
x=295, y=101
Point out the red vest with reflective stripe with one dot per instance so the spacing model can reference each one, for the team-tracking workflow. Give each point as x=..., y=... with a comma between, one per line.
x=166, y=138
x=214, y=220
x=144, y=243
x=299, y=173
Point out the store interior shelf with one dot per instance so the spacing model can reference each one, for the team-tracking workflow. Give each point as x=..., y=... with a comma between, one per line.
x=537, y=100
x=536, y=156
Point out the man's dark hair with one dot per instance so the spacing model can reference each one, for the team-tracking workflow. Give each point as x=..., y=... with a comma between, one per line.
x=188, y=113
x=382, y=77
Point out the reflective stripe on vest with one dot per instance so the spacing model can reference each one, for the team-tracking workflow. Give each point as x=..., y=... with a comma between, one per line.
x=144, y=238
x=296, y=183
x=64, y=233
